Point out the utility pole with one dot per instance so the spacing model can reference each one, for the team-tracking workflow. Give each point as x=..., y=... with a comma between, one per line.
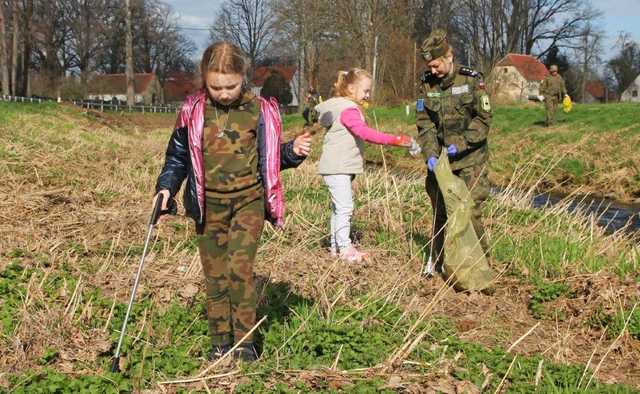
x=129, y=54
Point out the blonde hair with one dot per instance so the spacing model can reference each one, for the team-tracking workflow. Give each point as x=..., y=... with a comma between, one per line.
x=225, y=58
x=348, y=78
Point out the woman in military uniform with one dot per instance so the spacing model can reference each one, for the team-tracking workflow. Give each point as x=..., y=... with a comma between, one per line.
x=453, y=111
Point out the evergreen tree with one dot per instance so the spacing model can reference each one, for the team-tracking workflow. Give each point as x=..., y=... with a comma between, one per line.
x=277, y=86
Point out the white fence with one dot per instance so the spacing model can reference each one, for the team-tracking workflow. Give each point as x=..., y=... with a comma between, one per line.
x=98, y=106
x=19, y=99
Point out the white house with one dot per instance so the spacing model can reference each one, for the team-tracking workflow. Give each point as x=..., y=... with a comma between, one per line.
x=632, y=93
x=113, y=87
x=516, y=78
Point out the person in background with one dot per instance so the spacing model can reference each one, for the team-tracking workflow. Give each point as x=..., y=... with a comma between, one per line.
x=311, y=100
x=553, y=90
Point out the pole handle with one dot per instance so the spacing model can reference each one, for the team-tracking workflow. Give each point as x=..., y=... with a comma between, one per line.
x=172, y=209
x=115, y=365
x=157, y=210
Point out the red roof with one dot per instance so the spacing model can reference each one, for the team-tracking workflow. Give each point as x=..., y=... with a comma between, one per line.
x=178, y=86
x=596, y=89
x=528, y=66
x=117, y=83
x=262, y=73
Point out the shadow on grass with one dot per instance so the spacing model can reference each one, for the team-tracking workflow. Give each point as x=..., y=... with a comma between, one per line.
x=275, y=300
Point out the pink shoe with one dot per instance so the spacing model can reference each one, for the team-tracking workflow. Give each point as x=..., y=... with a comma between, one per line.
x=352, y=255
x=333, y=251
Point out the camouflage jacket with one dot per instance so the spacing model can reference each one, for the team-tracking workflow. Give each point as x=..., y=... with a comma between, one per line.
x=553, y=86
x=454, y=110
x=230, y=149
x=184, y=158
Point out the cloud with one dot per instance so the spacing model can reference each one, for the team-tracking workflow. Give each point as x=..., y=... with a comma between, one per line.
x=195, y=13
x=618, y=8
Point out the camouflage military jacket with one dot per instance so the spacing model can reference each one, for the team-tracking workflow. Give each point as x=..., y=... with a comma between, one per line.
x=230, y=148
x=553, y=86
x=454, y=110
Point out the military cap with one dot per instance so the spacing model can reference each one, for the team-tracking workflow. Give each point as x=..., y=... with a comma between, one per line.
x=435, y=45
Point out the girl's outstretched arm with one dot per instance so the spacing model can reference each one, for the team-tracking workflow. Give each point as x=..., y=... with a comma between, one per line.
x=176, y=162
x=353, y=120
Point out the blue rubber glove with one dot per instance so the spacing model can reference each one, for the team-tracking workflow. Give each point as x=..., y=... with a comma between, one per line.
x=452, y=150
x=431, y=163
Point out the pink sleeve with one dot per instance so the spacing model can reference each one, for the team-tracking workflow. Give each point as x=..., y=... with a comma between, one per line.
x=352, y=119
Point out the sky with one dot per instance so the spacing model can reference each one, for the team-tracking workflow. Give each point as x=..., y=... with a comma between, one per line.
x=196, y=14
x=618, y=15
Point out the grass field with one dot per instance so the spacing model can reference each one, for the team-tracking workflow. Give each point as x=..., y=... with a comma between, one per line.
x=594, y=149
x=77, y=192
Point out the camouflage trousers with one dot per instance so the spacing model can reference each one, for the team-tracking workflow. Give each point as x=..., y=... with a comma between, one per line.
x=551, y=105
x=475, y=178
x=228, y=249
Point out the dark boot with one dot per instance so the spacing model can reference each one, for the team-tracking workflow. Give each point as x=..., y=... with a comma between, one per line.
x=246, y=352
x=217, y=351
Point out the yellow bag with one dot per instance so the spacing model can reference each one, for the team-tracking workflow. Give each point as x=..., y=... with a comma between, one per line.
x=465, y=263
x=567, y=104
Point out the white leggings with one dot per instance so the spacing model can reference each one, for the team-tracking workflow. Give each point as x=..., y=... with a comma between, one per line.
x=341, y=209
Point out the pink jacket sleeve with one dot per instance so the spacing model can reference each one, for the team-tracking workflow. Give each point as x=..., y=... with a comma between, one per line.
x=352, y=119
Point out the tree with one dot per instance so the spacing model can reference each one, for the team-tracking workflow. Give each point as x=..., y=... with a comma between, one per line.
x=52, y=54
x=303, y=29
x=277, y=86
x=15, y=39
x=588, y=51
x=554, y=56
x=625, y=66
x=494, y=28
x=158, y=43
x=247, y=23
x=441, y=14
x=3, y=53
x=26, y=56
x=129, y=57
x=88, y=23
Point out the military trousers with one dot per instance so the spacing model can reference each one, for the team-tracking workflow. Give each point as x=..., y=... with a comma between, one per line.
x=228, y=249
x=475, y=178
x=551, y=105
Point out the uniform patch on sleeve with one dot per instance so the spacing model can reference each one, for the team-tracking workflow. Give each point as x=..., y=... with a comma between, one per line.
x=460, y=89
x=420, y=105
x=486, y=104
x=433, y=94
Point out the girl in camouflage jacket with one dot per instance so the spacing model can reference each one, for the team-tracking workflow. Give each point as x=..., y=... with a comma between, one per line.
x=226, y=143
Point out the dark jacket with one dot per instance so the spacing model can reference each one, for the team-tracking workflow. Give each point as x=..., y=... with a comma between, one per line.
x=178, y=166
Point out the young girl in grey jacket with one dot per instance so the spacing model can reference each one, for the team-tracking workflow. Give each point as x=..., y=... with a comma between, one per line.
x=342, y=152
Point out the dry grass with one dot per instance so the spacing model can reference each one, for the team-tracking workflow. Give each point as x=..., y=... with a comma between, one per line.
x=76, y=198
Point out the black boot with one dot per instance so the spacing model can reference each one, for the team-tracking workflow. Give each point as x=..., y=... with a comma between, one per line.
x=217, y=351
x=246, y=352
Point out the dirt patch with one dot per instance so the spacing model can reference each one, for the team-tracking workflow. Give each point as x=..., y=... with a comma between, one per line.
x=130, y=120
